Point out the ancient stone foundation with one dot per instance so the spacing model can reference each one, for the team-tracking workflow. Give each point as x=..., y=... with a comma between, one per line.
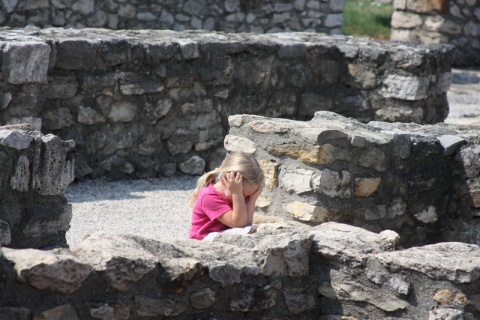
x=35, y=170
x=285, y=271
x=147, y=103
x=257, y=16
x=456, y=22
x=420, y=181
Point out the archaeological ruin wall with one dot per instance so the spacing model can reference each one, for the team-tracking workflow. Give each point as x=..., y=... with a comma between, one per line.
x=35, y=170
x=258, y=16
x=155, y=103
x=456, y=22
x=284, y=271
x=420, y=181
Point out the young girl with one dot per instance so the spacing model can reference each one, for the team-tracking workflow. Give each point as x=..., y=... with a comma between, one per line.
x=225, y=197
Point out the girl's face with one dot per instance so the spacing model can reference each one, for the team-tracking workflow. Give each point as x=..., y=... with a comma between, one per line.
x=248, y=189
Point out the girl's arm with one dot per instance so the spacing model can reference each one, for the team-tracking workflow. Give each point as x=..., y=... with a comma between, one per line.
x=252, y=199
x=237, y=217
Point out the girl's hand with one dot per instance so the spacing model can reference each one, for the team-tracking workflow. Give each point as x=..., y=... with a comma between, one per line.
x=234, y=182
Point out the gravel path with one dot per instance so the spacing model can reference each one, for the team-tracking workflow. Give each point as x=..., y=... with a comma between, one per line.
x=156, y=208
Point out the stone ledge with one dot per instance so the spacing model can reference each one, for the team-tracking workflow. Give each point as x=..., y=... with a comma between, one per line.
x=284, y=270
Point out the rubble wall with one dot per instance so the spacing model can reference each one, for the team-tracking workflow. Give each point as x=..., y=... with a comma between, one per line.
x=258, y=16
x=456, y=22
x=35, y=170
x=420, y=181
x=154, y=103
x=284, y=271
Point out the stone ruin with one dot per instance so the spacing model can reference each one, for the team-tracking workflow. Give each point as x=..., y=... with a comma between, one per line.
x=147, y=103
x=257, y=16
x=35, y=170
x=327, y=177
x=456, y=22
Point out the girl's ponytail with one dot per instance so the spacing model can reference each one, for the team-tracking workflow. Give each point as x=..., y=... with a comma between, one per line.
x=203, y=181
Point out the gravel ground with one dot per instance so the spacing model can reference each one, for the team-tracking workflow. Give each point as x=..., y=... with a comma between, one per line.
x=157, y=208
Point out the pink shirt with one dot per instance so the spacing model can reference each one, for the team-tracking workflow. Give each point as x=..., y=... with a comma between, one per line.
x=210, y=205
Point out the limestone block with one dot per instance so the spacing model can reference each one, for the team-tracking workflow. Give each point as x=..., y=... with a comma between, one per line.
x=363, y=76
x=248, y=300
x=347, y=244
x=405, y=87
x=151, y=307
x=451, y=143
x=470, y=160
x=53, y=171
x=448, y=297
x=447, y=313
x=193, y=166
x=21, y=179
x=140, y=88
x=270, y=170
x=231, y=5
x=89, y=116
x=197, y=107
x=75, y=54
x=332, y=183
x=58, y=313
x=52, y=270
x=235, y=143
x=5, y=234
x=58, y=118
x=365, y=187
x=203, y=299
x=306, y=212
x=440, y=24
x=283, y=256
x=463, y=268
x=373, y=158
x=298, y=300
x=472, y=195
x=15, y=139
x=333, y=20
x=297, y=181
x=472, y=29
x=337, y=5
x=428, y=215
x=122, y=111
x=424, y=6
x=188, y=48
x=403, y=35
x=346, y=288
x=61, y=87
x=123, y=260
x=25, y=62
x=268, y=126
x=406, y=20
x=5, y=98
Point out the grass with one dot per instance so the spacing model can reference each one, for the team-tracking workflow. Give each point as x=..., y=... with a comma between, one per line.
x=363, y=18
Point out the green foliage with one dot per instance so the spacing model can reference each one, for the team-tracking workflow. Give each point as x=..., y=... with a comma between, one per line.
x=362, y=18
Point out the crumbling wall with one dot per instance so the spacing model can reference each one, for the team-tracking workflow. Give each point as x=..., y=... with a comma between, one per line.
x=285, y=271
x=420, y=181
x=257, y=16
x=35, y=170
x=456, y=22
x=148, y=103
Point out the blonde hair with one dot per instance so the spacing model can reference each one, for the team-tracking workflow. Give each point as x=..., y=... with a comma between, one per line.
x=241, y=162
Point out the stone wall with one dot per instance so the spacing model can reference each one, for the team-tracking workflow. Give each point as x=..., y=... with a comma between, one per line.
x=420, y=181
x=148, y=103
x=259, y=16
x=456, y=22
x=35, y=170
x=285, y=271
